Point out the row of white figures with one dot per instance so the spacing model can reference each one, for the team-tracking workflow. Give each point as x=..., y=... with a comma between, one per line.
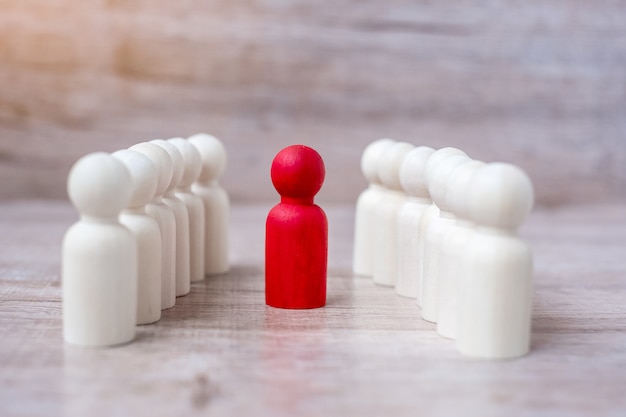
x=441, y=228
x=153, y=219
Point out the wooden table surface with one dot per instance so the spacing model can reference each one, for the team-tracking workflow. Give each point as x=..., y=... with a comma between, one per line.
x=220, y=351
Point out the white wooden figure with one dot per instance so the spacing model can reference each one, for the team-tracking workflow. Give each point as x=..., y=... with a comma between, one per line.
x=99, y=261
x=413, y=180
x=183, y=265
x=216, y=202
x=426, y=219
x=195, y=206
x=146, y=230
x=385, y=250
x=453, y=246
x=495, y=292
x=164, y=217
x=437, y=176
x=366, y=206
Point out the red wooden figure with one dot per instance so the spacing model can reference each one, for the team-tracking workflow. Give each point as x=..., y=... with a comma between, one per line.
x=296, y=240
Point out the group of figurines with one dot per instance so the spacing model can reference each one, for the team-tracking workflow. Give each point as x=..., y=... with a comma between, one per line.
x=153, y=219
x=437, y=225
x=441, y=227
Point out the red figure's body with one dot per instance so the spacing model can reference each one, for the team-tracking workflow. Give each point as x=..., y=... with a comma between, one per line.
x=296, y=241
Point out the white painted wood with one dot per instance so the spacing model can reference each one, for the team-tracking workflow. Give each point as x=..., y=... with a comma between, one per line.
x=146, y=231
x=438, y=174
x=99, y=256
x=181, y=216
x=164, y=217
x=216, y=202
x=495, y=294
x=385, y=250
x=194, y=204
x=428, y=215
x=453, y=246
x=366, y=204
x=413, y=180
x=426, y=219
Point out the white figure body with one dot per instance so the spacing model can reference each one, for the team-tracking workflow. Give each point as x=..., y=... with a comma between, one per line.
x=452, y=247
x=194, y=204
x=181, y=216
x=385, y=250
x=146, y=231
x=216, y=202
x=427, y=217
x=437, y=176
x=99, y=271
x=366, y=206
x=412, y=178
x=495, y=292
x=164, y=217
x=430, y=214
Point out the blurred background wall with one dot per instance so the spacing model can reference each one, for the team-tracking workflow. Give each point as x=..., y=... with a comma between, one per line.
x=540, y=83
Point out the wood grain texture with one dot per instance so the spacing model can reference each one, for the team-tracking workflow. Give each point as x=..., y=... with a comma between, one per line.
x=537, y=83
x=221, y=351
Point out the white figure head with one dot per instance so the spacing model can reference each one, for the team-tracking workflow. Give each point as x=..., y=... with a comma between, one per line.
x=178, y=167
x=413, y=172
x=99, y=185
x=501, y=196
x=162, y=162
x=371, y=157
x=390, y=162
x=459, y=185
x=438, y=175
x=213, y=155
x=441, y=154
x=191, y=161
x=143, y=175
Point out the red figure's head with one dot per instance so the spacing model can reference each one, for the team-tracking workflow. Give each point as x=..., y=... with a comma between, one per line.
x=298, y=172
